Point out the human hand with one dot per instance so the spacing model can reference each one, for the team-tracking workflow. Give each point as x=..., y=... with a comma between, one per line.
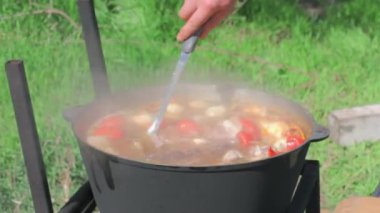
x=358, y=204
x=206, y=13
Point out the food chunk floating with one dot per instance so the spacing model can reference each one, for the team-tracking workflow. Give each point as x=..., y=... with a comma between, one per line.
x=142, y=119
x=174, y=108
x=187, y=127
x=215, y=111
x=232, y=155
x=199, y=131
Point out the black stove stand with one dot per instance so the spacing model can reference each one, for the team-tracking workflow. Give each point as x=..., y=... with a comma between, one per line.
x=306, y=197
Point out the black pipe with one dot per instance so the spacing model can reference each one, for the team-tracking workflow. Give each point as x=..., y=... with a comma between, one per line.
x=82, y=201
x=30, y=144
x=94, y=48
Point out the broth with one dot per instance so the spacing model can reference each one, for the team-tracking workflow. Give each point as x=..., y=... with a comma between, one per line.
x=199, y=130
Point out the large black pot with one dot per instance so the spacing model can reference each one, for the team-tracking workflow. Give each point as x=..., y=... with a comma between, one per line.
x=121, y=185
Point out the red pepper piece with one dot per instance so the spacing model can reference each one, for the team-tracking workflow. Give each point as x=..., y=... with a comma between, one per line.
x=112, y=133
x=250, y=128
x=112, y=127
x=294, y=141
x=271, y=152
x=245, y=138
x=113, y=121
x=187, y=127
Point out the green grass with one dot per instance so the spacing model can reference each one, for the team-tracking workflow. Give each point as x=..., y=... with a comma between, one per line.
x=324, y=65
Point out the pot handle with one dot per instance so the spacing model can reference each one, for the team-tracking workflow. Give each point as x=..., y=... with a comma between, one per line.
x=319, y=133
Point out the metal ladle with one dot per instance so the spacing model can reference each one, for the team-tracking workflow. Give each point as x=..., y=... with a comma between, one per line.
x=187, y=48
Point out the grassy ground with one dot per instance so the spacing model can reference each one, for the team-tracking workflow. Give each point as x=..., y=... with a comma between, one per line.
x=324, y=64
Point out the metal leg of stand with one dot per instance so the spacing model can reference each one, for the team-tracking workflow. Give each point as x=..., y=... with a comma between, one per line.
x=377, y=191
x=314, y=205
x=30, y=143
x=94, y=48
x=307, y=193
x=82, y=201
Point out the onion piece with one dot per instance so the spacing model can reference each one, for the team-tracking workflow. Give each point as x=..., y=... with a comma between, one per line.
x=174, y=108
x=142, y=119
x=216, y=111
x=232, y=155
x=199, y=141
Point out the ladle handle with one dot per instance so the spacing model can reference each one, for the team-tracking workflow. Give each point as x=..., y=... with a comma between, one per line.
x=189, y=44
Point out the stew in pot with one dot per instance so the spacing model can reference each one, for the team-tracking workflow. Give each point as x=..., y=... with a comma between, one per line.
x=198, y=131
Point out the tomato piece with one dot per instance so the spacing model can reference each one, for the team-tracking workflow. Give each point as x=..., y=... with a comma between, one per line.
x=187, y=127
x=271, y=152
x=294, y=141
x=112, y=127
x=245, y=138
x=112, y=133
x=113, y=121
x=249, y=132
x=250, y=128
